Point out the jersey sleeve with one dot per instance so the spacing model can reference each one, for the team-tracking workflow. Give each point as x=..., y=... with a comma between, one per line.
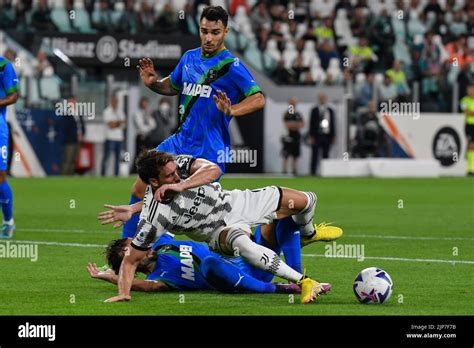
x=244, y=81
x=183, y=164
x=9, y=78
x=176, y=76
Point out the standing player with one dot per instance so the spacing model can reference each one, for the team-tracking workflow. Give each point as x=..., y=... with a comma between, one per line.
x=467, y=106
x=214, y=86
x=8, y=96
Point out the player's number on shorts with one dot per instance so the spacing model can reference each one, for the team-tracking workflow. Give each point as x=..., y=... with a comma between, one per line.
x=4, y=152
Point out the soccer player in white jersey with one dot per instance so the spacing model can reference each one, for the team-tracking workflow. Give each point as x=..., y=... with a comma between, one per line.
x=182, y=198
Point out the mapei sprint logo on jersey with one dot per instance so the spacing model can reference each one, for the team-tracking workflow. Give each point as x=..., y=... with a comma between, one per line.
x=186, y=257
x=195, y=90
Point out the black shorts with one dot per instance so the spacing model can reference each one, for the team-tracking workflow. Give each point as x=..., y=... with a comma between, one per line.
x=470, y=131
x=291, y=149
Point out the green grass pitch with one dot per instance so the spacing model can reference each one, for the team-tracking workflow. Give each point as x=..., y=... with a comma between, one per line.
x=419, y=230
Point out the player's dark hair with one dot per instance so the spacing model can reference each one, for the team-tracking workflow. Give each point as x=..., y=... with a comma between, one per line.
x=150, y=162
x=215, y=13
x=113, y=253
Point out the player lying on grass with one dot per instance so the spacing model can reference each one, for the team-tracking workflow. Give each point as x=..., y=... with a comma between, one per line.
x=181, y=198
x=184, y=265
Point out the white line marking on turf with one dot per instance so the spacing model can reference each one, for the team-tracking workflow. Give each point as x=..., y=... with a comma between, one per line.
x=54, y=230
x=404, y=237
x=56, y=243
x=306, y=255
x=390, y=258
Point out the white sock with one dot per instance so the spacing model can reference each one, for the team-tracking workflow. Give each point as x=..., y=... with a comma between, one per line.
x=304, y=219
x=261, y=257
x=9, y=222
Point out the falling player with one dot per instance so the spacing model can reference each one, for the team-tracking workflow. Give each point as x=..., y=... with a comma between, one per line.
x=8, y=96
x=181, y=198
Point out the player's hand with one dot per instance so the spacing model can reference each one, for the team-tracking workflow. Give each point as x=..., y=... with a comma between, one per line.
x=165, y=191
x=119, y=214
x=95, y=273
x=147, y=71
x=119, y=298
x=223, y=103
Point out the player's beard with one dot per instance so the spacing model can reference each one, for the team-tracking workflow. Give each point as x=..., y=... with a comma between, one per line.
x=144, y=265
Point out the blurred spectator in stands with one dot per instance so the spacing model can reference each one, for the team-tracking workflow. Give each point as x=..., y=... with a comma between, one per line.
x=383, y=37
x=370, y=140
x=41, y=17
x=346, y=5
x=299, y=66
x=292, y=140
x=234, y=4
x=320, y=9
x=188, y=25
x=259, y=17
x=282, y=75
x=325, y=32
x=145, y=125
x=359, y=23
x=146, y=18
x=309, y=35
x=165, y=123
x=42, y=67
x=276, y=12
x=363, y=90
x=307, y=78
x=398, y=78
x=430, y=65
x=322, y=132
x=470, y=21
x=21, y=9
x=89, y=5
x=102, y=17
x=128, y=21
x=166, y=21
x=7, y=20
x=326, y=52
x=466, y=76
x=74, y=132
x=262, y=38
x=387, y=90
x=433, y=6
x=458, y=26
x=277, y=35
x=115, y=123
x=456, y=51
x=362, y=54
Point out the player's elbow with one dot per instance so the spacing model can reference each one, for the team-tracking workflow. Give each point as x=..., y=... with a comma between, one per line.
x=260, y=101
x=215, y=171
x=14, y=98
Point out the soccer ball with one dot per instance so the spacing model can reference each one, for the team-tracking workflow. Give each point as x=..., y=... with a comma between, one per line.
x=373, y=285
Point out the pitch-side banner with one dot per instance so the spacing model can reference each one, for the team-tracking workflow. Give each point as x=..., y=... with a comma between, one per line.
x=119, y=50
x=430, y=136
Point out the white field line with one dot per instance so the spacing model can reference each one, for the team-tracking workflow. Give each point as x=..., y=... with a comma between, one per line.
x=305, y=255
x=346, y=235
x=391, y=259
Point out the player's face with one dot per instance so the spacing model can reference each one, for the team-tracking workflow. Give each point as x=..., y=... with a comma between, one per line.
x=212, y=35
x=169, y=174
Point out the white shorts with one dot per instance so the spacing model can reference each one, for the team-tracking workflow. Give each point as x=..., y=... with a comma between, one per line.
x=250, y=208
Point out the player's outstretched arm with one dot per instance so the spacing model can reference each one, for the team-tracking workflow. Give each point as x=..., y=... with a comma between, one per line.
x=119, y=214
x=137, y=284
x=150, y=78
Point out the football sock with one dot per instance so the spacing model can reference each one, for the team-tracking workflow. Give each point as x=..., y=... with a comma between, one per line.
x=304, y=219
x=470, y=161
x=225, y=276
x=288, y=238
x=260, y=256
x=130, y=227
x=6, y=200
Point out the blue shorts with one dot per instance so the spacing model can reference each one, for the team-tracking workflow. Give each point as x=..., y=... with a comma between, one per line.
x=4, y=151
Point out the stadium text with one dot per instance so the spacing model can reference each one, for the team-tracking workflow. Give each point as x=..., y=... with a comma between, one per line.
x=352, y=251
x=22, y=251
x=237, y=156
x=401, y=109
x=66, y=108
x=37, y=331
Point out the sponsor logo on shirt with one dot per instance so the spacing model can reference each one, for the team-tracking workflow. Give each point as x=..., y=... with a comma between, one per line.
x=194, y=89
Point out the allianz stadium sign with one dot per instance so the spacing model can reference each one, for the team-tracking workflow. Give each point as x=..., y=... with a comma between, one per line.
x=96, y=49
